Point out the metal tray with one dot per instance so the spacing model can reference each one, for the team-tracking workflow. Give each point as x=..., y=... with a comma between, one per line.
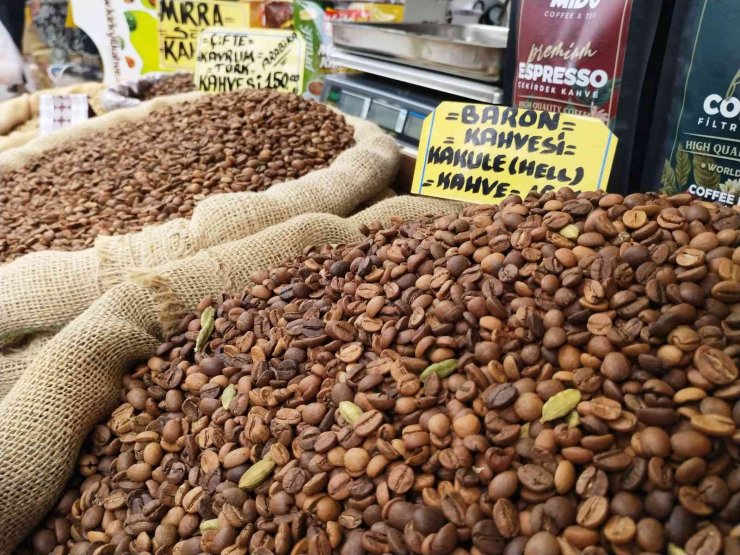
x=474, y=51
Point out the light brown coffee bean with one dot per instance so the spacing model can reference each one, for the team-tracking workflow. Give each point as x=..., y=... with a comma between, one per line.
x=690, y=444
x=715, y=366
x=713, y=424
x=593, y=511
x=620, y=530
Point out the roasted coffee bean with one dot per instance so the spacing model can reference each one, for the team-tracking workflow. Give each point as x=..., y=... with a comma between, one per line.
x=542, y=543
x=592, y=481
x=707, y=541
x=173, y=83
x=400, y=478
x=556, y=379
x=535, y=477
x=454, y=508
x=680, y=526
x=486, y=537
x=156, y=169
x=500, y=396
x=620, y=529
x=593, y=511
x=506, y=518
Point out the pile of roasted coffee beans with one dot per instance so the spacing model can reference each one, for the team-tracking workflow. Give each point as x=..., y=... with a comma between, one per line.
x=180, y=82
x=552, y=376
x=148, y=171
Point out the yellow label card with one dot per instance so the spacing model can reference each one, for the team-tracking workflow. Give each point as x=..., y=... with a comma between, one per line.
x=181, y=21
x=231, y=59
x=482, y=153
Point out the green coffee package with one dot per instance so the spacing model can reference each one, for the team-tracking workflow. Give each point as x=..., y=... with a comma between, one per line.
x=313, y=20
x=694, y=142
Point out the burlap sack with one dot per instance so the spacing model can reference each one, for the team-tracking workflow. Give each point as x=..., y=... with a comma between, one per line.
x=17, y=138
x=14, y=112
x=15, y=360
x=45, y=290
x=75, y=379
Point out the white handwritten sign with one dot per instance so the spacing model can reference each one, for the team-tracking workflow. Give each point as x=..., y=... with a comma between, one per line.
x=231, y=59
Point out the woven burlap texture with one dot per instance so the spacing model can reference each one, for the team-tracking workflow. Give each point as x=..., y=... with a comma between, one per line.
x=14, y=112
x=45, y=290
x=74, y=381
x=15, y=360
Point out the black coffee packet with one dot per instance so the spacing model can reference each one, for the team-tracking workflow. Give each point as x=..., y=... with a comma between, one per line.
x=694, y=141
x=588, y=57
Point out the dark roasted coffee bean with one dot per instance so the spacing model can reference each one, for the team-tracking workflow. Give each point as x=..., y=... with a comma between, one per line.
x=680, y=526
x=487, y=538
x=535, y=477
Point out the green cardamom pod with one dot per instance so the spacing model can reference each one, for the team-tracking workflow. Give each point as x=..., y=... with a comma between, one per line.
x=257, y=473
x=349, y=411
x=524, y=431
x=675, y=550
x=573, y=419
x=570, y=232
x=227, y=396
x=560, y=404
x=442, y=369
x=207, y=525
x=207, y=321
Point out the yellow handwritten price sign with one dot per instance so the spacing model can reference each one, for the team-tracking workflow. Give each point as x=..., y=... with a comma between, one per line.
x=181, y=21
x=231, y=59
x=481, y=153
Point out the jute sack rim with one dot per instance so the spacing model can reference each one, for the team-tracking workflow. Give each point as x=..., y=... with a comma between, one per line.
x=15, y=359
x=110, y=257
x=170, y=305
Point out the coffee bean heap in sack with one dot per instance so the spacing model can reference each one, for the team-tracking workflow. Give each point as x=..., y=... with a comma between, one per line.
x=552, y=376
x=172, y=84
x=151, y=170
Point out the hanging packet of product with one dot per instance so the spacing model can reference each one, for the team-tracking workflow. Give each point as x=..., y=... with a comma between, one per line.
x=313, y=20
x=586, y=57
x=695, y=137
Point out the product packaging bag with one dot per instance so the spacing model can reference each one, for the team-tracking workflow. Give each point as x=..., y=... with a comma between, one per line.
x=75, y=379
x=588, y=57
x=695, y=134
x=130, y=93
